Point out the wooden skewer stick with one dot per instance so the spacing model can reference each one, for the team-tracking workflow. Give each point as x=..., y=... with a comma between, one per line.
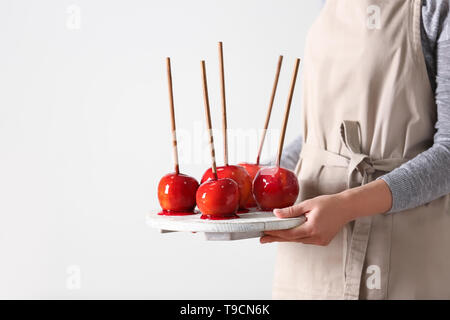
x=224, y=105
x=269, y=111
x=172, y=117
x=208, y=119
x=286, y=114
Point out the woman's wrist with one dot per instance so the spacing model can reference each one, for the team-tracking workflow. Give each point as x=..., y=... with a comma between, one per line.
x=370, y=199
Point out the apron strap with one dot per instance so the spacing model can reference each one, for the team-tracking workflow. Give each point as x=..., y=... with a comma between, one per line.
x=366, y=167
x=356, y=162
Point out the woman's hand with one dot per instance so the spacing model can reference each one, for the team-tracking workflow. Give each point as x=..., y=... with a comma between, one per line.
x=326, y=215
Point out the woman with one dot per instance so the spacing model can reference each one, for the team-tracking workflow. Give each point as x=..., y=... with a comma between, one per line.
x=374, y=167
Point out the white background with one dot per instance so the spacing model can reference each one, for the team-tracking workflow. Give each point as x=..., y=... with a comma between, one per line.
x=85, y=138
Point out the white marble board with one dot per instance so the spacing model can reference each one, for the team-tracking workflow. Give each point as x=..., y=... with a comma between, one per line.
x=248, y=225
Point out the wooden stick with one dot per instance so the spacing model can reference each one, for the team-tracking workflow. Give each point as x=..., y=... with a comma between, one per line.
x=208, y=119
x=224, y=105
x=172, y=117
x=286, y=114
x=269, y=111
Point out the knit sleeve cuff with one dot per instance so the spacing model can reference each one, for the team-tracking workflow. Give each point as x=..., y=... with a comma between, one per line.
x=399, y=187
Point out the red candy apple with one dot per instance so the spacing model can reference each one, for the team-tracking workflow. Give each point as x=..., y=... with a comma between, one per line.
x=176, y=194
x=176, y=191
x=275, y=188
x=236, y=173
x=252, y=169
x=239, y=175
x=218, y=199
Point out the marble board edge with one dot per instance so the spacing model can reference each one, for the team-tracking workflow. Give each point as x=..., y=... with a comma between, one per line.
x=250, y=222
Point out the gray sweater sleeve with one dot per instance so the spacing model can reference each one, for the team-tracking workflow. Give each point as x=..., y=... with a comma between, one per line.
x=427, y=176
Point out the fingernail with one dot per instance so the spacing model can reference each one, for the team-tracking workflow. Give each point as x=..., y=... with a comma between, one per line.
x=278, y=212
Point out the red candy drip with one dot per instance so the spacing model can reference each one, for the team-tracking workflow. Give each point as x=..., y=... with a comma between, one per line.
x=176, y=213
x=217, y=217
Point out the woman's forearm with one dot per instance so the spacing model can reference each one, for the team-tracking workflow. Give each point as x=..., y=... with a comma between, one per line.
x=370, y=199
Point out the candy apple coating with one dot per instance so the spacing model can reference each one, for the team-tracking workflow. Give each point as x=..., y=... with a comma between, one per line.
x=218, y=199
x=176, y=193
x=275, y=187
x=252, y=170
x=239, y=175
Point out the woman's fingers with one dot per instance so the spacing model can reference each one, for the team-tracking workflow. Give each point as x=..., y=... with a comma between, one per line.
x=295, y=234
x=302, y=231
x=289, y=212
x=271, y=239
x=292, y=212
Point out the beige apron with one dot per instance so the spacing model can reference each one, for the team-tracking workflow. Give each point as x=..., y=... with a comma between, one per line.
x=367, y=108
